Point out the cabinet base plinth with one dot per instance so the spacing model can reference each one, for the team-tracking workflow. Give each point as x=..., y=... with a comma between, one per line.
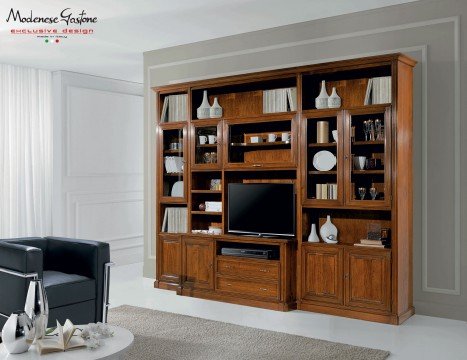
x=358, y=314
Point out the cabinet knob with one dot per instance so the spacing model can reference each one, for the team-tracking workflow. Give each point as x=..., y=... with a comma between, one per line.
x=263, y=270
x=263, y=289
x=346, y=157
x=210, y=265
x=228, y=284
x=346, y=276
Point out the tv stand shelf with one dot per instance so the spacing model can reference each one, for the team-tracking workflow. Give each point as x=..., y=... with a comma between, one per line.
x=246, y=145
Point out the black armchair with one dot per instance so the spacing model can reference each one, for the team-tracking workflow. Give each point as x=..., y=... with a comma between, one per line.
x=75, y=275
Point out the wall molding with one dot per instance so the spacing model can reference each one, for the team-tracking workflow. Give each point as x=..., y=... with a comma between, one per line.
x=73, y=205
x=69, y=173
x=455, y=20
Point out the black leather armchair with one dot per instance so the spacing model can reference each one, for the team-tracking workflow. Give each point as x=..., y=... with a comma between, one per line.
x=75, y=274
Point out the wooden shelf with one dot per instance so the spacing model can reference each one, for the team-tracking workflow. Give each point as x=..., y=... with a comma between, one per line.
x=367, y=143
x=322, y=145
x=317, y=172
x=206, y=145
x=262, y=144
x=174, y=174
x=196, y=212
x=367, y=172
x=332, y=112
x=285, y=115
x=206, y=191
x=173, y=151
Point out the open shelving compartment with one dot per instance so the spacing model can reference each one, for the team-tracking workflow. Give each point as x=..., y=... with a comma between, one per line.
x=351, y=84
x=260, y=143
x=206, y=186
x=242, y=99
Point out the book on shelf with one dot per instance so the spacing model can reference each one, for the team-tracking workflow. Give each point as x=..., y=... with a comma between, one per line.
x=326, y=191
x=373, y=243
x=63, y=342
x=378, y=90
x=174, y=108
x=279, y=100
x=175, y=220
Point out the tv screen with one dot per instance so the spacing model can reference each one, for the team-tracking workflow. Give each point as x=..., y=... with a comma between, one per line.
x=261, y=209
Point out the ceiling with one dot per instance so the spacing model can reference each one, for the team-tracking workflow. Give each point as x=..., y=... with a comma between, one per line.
x=127, y=28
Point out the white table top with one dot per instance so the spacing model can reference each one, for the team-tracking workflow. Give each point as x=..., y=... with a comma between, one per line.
x=111, y=348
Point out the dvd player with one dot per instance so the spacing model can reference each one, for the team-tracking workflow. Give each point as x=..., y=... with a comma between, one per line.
x=251, y=253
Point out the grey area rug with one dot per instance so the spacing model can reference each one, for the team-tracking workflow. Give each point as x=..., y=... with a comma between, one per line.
x=160, y=335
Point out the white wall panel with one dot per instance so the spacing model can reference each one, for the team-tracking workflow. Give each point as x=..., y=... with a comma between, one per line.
x=98, y=162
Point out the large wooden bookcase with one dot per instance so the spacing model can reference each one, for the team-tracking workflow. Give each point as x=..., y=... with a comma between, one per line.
x=342, y=279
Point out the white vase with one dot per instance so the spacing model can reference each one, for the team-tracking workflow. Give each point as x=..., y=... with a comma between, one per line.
x=216, y=110
x=328, y=231
x=334, y=101
x=16, y=333
x=204, y=109
x=313, y=237
x=321, y=102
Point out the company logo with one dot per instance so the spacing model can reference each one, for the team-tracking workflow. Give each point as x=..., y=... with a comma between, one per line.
x=51, y=29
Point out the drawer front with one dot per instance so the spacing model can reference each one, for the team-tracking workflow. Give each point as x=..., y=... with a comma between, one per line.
x=254, y=288
x=248, y=268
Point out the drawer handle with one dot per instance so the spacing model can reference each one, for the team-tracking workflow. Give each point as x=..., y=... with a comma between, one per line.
x=257, y=165
x=228, y=284
x=227, y=266
x=263, y=289
x=263, y=270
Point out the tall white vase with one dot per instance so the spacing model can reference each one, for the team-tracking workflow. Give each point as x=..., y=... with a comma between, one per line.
x=328, y=231
x=313, y=237
x=321, y=102
x=334, y=101
x=37, y=308
x=203, y=112
x=216, y=110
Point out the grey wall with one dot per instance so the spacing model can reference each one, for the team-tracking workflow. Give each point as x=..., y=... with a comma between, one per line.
x=429, y=31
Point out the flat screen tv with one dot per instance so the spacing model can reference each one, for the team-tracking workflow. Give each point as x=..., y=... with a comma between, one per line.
x=261, y=209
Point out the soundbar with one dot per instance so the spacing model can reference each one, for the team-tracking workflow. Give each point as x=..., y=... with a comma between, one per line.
x=251, y=253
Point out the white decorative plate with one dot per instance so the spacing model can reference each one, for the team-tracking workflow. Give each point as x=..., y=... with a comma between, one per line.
x=324, y=160
x=177, y=189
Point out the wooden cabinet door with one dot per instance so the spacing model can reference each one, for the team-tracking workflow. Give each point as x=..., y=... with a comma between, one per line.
x=363, y=175
x=170, y=258
x=368, y=279
x=198, y=263
x=322, y=272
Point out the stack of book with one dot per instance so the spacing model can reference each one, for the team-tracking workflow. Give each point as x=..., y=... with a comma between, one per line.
x=175, y=108
x=279, y=100
x=326, y=191
x=378, y=90
x=373, y=243
x=175, y=220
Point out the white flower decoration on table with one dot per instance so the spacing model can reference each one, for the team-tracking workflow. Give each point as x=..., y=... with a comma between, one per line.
x=93, y=333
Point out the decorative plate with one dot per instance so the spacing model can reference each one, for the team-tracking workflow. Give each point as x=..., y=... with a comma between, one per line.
x=324, y=160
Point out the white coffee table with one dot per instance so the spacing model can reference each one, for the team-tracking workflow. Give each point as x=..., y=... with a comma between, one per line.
x=114, y=347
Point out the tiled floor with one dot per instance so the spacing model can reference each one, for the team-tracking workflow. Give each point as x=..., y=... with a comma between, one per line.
x=420, y=337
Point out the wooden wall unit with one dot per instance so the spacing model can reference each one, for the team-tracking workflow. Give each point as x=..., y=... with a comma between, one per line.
x=340, y=279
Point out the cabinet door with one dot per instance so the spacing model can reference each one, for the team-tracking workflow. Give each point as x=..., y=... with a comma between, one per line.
x=368, y=157
x=170, y=262
x=322, y=274
x=198, y=263
x=368, y=279
x=172, y=169
x=322, y=188
x=206, y=144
